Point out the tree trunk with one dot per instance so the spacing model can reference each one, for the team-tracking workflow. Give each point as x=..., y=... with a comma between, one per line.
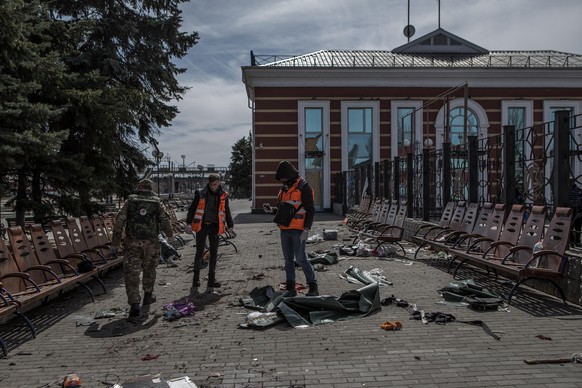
x=20, y=203
x=36, y=196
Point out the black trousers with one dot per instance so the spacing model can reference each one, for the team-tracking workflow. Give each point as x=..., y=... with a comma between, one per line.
x=210, y=231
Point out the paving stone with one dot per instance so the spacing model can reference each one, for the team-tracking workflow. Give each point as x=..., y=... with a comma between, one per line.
x=211, y=349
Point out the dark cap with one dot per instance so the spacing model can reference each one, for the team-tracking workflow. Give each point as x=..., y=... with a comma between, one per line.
x=286, y=170
x=145, y=185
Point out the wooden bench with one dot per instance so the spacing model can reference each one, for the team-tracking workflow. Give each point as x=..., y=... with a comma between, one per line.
x=522, y=263
x=11, y=221
x=28, y=222
x=389, y=233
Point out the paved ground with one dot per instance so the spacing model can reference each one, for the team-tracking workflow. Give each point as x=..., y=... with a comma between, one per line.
x=211, y=349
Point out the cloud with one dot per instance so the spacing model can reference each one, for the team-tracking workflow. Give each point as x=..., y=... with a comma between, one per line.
x=214, y=114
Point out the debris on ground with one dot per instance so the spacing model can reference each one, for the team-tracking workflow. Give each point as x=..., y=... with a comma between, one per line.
x=110, y=313
x=355, y=275
x=391, y=325
x=178, y=309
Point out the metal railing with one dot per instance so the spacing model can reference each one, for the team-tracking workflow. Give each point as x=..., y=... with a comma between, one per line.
x=529, y=165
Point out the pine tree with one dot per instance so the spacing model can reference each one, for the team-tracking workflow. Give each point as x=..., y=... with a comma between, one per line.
x=240, y=168
x=121, y=54
x=28, y=64
x=84, y=86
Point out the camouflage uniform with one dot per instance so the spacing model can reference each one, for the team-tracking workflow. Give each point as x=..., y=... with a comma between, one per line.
x=141, y=217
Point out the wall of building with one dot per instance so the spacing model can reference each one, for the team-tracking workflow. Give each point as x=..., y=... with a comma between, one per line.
x=276, y=120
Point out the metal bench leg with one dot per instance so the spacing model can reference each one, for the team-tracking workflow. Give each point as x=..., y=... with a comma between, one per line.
x=418, y=250
x=514, y=288
x=91, y=295
x=3, y=347
x=28, y=323
x=96, y=277
x=457, y=268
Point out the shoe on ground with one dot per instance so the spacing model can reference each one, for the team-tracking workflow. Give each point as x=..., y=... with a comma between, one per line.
x=194, y=293
x=313, y=290
x=134, y=310
x=291, y=290
x=214, y=284
x=149, y=298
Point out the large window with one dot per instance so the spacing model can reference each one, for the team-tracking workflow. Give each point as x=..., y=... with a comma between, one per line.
x=519, y=114
x=359, y=136
x=313, y=126
x=360, y=133
x=477, y=124
x=550, y=109
x=406, y=127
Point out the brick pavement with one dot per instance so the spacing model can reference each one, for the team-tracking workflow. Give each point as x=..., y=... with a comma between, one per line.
x=211, y=349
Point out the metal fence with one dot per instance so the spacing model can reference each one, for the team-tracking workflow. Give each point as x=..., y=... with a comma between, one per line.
x=531, y=166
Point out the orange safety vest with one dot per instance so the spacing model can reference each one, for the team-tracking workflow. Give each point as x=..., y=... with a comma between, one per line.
x=293, y=197
x=199, y=214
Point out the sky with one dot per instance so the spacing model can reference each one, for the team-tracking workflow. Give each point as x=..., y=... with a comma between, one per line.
x=215, y=112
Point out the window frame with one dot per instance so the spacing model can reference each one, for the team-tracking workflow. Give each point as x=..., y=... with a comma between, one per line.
x=345, y=106
x=394, y=106
x=325, y=107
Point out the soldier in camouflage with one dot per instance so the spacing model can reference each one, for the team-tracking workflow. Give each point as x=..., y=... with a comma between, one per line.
x=141, y=216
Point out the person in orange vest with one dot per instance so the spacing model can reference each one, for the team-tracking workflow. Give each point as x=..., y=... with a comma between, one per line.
x=294, y=216
x=209, y=215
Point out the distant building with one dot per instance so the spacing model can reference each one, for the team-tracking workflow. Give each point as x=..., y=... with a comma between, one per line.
x=330, y=110
x=171, y=179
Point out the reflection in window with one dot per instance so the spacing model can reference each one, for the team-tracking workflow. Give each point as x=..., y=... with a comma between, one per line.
x=458, y=135
x=313, y=137
x=459, y=168
x=359, y=136
x=404, y=126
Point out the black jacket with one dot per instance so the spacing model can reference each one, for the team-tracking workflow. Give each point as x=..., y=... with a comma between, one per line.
x=205, y=192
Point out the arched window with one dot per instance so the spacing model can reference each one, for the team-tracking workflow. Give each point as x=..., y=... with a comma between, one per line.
x=457, y=123
x=478, y=121
x=477, y=124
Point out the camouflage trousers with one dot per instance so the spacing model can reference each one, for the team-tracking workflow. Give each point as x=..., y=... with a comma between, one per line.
x=138, y=255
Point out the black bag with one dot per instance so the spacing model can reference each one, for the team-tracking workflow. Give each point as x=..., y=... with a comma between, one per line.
x=482, y=303
x=285, y=213
x=85, y=266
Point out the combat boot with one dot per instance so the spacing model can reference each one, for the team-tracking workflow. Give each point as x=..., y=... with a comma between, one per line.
x=291, y=291
x=134, y=310
x=149, y=298
x=313, y=291
x=212, y=283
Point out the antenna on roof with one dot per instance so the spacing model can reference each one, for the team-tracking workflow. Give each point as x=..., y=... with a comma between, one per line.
x=439, y=1
x=409, y=30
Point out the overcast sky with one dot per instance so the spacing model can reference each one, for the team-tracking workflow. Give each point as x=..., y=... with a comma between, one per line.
x=215, y=113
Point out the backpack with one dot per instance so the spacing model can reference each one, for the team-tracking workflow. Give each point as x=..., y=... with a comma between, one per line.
x=482, y=303
x=143, y=217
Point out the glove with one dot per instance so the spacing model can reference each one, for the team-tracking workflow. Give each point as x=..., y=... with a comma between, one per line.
x=267, y=208
x=113, y=251
x=304, y=235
